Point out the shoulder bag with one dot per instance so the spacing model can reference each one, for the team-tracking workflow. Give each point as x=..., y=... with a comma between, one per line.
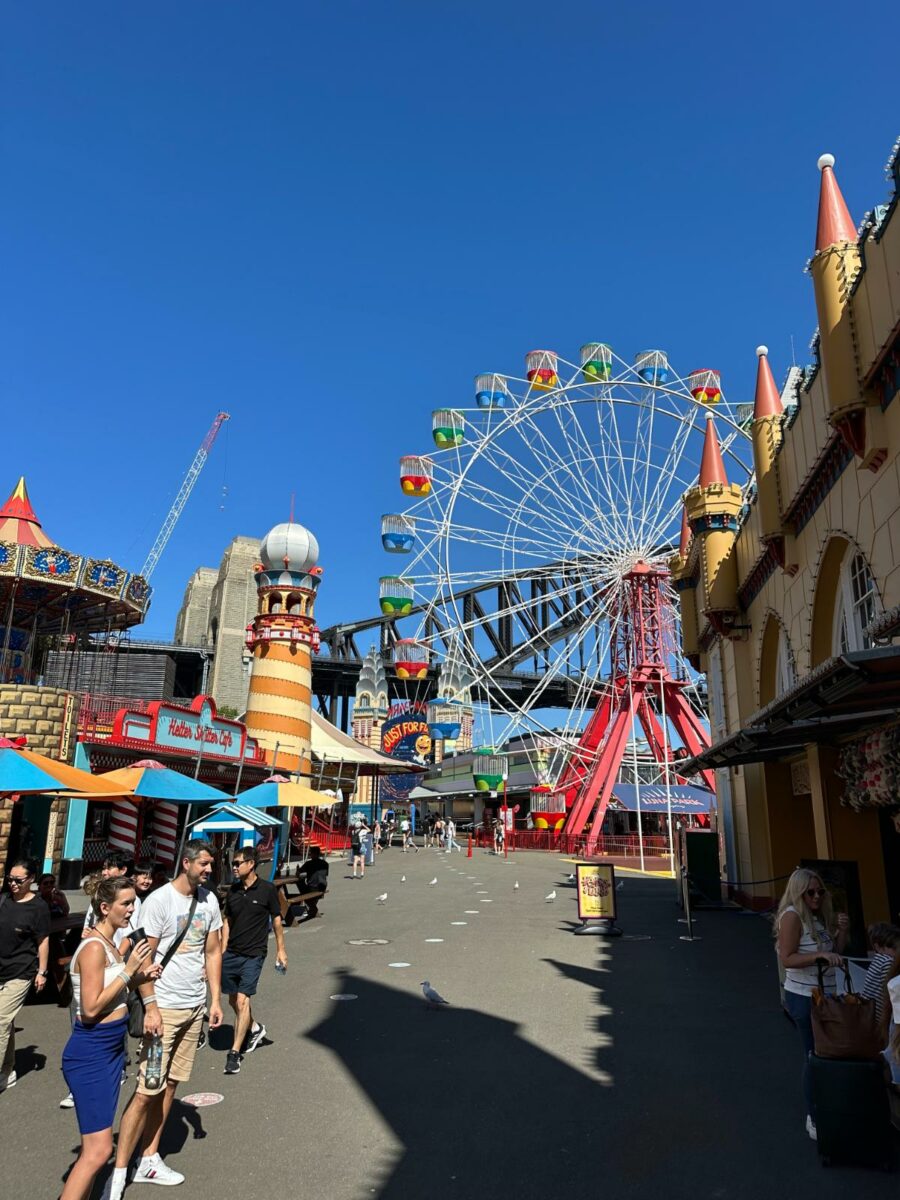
x=135, y=1004
x=845, y=1026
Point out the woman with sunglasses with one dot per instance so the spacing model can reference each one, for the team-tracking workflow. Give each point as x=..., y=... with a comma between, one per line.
x=24, y=951
x=806, y=933
x=94, y=1055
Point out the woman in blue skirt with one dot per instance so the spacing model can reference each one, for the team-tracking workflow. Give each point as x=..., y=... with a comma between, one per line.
x=94, y=1056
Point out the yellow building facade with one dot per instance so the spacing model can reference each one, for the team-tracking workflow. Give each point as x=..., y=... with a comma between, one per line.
x=791, y=601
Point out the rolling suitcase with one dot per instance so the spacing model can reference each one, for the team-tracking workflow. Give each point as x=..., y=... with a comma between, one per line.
x=853, y=1117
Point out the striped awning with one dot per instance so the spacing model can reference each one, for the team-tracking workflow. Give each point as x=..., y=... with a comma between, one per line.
x=227, y=818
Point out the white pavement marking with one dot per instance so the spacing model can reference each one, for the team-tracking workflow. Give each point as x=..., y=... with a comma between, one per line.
x=433, y=940
x=344, y=996
x=399, y=964
x=459, y=922
x=471, y=912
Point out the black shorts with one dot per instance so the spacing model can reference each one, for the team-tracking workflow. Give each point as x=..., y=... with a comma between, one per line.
x=240, y=973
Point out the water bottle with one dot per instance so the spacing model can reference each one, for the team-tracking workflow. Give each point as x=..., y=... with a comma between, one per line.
x=153, y=1069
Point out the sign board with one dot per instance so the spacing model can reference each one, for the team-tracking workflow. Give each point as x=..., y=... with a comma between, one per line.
x=404, y=736
x=596, y=887
x=186, y=730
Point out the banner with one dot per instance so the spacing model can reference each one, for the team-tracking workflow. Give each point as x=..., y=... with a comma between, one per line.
x=596, y=886
x=404, y=736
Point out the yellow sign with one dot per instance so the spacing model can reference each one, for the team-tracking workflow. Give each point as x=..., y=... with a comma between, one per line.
x=596, y=884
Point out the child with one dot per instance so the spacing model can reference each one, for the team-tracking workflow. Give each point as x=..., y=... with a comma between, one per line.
x=885, y=942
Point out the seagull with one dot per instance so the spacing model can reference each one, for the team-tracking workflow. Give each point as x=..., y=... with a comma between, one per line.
x=620, y=885
x=551, y=896
x=571, y=879
x=382, y=898
x=516, y=886
x=432, y=997
x=433, y=882
x=403, y=879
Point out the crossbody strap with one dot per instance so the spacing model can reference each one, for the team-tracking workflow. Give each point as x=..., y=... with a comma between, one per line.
x=179, y=938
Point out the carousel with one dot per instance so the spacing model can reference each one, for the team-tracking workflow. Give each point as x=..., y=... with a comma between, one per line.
x=53, y=598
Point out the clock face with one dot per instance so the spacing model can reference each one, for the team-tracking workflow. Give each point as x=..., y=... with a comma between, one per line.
x=53, y=562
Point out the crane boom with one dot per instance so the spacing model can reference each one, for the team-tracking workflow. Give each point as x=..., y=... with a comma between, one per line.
x=184, y=492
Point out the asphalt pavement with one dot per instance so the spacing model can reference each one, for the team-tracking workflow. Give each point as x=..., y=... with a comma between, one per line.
x=642, y=1066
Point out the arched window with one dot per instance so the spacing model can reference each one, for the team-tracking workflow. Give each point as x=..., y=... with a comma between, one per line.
x=857, y=604
x=364, y=700
x=785, y=672
x=276, y=603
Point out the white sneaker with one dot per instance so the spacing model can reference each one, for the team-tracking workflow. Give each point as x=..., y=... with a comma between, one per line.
x=67, y=1101
x=255, y=1037
x=154, y=1170
x=9, y=1081
x=811, y=1129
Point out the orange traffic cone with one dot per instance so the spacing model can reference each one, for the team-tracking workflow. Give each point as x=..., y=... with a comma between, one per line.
x=469, y=847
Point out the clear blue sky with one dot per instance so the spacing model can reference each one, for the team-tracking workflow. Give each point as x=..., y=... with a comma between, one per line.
x=326, y=217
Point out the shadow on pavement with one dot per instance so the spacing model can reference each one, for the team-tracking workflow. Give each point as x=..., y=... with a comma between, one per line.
x=479, y=1110
x=701, y=1098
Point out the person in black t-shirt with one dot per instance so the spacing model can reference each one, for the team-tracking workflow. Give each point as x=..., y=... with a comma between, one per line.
x=314, y=874
x=249, y=906
x=24, y=950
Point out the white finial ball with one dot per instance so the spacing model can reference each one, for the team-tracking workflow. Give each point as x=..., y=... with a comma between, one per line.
x=762, y=351
x=710, y=415
x=289, y=547
x=825, y=160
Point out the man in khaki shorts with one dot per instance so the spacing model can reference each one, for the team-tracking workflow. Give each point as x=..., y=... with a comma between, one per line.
x=173, y=1010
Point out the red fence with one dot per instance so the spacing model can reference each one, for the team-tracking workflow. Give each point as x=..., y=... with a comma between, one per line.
x=626, y=846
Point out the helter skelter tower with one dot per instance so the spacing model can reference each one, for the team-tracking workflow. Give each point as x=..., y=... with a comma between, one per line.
x=282, y=637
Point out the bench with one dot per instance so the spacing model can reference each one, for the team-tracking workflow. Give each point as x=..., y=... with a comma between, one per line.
x=290, y=892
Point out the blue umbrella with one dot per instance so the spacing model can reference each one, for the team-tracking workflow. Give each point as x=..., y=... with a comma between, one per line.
x=17, y=774
x=159, y=783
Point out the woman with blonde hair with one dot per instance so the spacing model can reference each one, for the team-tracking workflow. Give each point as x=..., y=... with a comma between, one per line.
x=807, y=933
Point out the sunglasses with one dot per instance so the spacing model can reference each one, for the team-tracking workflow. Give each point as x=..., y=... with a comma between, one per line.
x=19, y=879
x=815, y=891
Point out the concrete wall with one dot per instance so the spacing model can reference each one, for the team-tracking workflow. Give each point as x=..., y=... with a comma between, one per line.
x=192, y=623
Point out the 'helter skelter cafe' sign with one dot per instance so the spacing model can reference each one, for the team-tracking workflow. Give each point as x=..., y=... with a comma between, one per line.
x=188, y=730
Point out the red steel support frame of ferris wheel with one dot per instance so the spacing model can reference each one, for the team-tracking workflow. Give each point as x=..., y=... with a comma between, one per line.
x=640, y=643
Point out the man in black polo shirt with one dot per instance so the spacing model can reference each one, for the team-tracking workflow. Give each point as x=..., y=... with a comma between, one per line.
x=245, y=939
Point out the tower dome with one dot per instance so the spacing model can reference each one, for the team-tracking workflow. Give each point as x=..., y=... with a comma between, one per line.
x=289, y=547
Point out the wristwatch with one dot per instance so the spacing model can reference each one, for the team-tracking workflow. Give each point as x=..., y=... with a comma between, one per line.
x=43, y=974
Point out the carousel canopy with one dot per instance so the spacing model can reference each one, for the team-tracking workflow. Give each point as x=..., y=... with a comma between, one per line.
x=50, y=590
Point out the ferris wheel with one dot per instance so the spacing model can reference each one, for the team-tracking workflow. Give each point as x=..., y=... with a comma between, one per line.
x=526, y=522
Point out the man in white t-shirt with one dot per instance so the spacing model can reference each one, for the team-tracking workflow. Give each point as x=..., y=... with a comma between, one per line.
x=173, y=1010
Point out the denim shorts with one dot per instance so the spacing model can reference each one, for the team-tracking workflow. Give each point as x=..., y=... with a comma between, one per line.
x=240, y=973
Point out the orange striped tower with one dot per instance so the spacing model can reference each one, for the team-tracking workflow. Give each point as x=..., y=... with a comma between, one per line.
x=281, y=638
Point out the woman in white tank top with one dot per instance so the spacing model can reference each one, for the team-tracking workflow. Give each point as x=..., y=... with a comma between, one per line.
x=95, y=1053
x=807, y=932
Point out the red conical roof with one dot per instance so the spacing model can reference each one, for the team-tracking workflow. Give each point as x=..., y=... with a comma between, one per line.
x=685, y=533
x=835, y=223
x=767, y=402
x=18, y=520
x=712, y=468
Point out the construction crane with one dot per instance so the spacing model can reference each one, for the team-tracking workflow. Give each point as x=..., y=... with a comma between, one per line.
x=183, y=493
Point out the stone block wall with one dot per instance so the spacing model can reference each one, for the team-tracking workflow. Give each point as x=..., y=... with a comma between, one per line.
x=48, y=717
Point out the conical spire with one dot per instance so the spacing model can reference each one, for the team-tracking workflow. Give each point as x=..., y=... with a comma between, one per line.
x=767, y=402
x=18, y=506
x=685, y=533
x=835, y=223
x=18, y=520
x=712, y=468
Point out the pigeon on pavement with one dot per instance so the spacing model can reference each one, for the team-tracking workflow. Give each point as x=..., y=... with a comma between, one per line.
x=551, y=896
x=382, y=898
x=433, y=882
x=432, y=997
x=403, y=879
x=516, y=886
